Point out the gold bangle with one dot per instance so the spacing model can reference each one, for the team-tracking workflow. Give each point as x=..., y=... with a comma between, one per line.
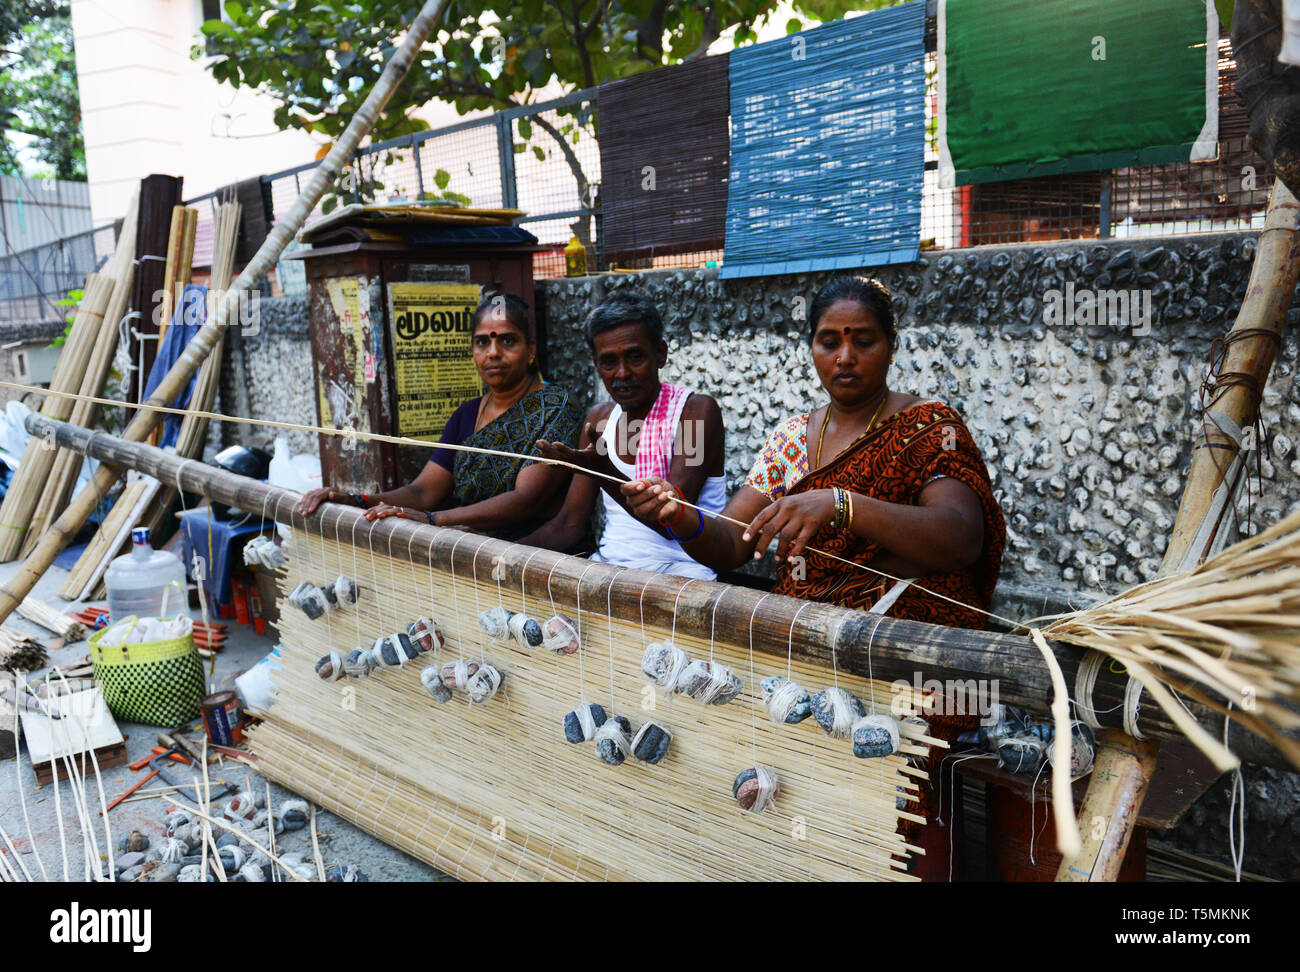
x=849, y=525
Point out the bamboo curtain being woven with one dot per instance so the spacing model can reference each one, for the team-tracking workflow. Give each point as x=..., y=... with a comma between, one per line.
x=669, y=126
x=827, y=147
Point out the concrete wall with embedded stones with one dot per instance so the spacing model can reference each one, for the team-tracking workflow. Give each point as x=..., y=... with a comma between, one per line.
x=267, y=374
x=1087, y=430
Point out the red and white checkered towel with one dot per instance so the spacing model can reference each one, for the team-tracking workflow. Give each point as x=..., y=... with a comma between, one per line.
x=654, y=448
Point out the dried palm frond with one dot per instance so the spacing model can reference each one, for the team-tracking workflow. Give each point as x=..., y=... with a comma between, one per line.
x=1226, y=634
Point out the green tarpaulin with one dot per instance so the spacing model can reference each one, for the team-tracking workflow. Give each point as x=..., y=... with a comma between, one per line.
x=1040, y=87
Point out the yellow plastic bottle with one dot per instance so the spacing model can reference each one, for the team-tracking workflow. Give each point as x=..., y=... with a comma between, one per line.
x=575, y=258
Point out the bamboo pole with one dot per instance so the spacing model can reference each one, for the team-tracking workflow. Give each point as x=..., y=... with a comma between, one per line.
x=24, y=493
x=1124, y=764
x=1120, y=778
x=823, y=633
x=1201, y=526
x=68, y=464
x=63, y=529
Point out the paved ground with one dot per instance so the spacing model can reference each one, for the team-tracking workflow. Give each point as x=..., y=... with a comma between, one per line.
x=341, y=842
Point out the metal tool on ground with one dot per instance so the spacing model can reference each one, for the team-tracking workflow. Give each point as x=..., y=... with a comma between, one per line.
x=175, y=746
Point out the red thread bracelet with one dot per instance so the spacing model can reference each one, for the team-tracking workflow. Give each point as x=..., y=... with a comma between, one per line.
x=678, y=518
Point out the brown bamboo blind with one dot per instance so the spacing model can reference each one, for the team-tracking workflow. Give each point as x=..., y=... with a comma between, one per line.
x=673, y=120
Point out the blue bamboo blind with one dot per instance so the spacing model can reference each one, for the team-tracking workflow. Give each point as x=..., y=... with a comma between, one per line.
x=828, y=149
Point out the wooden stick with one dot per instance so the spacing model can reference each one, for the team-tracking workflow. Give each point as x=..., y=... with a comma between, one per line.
x=1120, y=777
x=62, y=530
x=1268, y=295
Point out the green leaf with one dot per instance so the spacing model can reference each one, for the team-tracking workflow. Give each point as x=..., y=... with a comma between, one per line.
x=525, y=128
x=793, y=26
x=441, y=178
x=520, y=148
x=217, y=28
x=234, y=9
x=537, y=151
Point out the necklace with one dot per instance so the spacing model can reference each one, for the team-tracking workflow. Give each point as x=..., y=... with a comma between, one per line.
x=817, y=463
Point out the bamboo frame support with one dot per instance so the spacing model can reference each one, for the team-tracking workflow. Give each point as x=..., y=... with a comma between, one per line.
x=84, y=503
x=821, y=633
x=1263, y=310
x=1120, y=778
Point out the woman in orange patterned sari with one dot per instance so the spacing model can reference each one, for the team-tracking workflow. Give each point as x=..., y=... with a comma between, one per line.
x=878, y=477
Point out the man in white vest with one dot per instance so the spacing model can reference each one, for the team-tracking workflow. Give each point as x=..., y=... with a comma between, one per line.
x=650, y=428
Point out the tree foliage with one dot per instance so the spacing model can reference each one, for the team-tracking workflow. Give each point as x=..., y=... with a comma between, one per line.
x=319, y=58
x=38, y=87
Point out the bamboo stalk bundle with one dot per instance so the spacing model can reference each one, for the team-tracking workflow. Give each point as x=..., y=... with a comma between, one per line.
x=159, y=194
x=194, y=429
x=39, y=612
x=67, y=464
x=1225, y=633
x=494, y=790
x=83, y=504
x=30, y=478
x=177, y=271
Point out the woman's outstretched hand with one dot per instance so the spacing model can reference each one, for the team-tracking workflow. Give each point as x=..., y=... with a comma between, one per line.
x=652, y=500
x=313, y=498
x=795, y=518
x=382, y=511
x=592, y=458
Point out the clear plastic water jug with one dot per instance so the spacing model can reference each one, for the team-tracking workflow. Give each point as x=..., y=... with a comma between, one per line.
x=145, y=582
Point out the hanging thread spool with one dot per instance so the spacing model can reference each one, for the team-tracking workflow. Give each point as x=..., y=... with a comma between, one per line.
x=526, y=631
x=786, y=701
x=358, y=663
x=1083, y=750
x=560, y=635
x=393, y=651
x=755, y=788
x=431, y=679
x=1025, y=750
x=310, y=599
x=345, y=591
x=330, y=667
x=875, y=736
x=663, y=662
x=456, y=675
x=651, y=742
x=426, y=634
x=836, y=710
x=613, y=740
x=483, y=684
x=580, y=725
x=710, y=683
x=496, y=624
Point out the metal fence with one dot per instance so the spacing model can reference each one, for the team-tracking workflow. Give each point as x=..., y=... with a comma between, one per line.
x=34, y=280
x=545, y=160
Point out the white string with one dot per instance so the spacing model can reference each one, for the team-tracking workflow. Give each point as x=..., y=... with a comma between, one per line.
x=22, y=799
x=1085, y=679
x=1132, y=705
x=1236, y=809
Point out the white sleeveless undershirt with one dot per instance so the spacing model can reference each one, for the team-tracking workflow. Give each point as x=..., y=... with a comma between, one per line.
x=630, y=543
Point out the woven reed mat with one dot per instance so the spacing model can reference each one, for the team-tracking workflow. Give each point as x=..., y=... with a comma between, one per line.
x=494, y=791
